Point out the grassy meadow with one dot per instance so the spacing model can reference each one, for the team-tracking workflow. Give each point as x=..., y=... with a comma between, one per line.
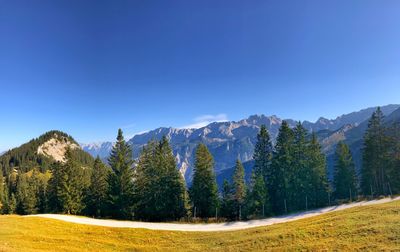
x=372, y=228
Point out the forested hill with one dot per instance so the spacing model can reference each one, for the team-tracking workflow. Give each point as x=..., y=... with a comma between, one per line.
x=41, y=152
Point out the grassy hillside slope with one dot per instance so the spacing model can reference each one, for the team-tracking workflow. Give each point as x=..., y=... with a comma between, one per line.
x=362, y=228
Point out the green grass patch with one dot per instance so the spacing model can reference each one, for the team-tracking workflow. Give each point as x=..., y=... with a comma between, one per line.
x=375, y=227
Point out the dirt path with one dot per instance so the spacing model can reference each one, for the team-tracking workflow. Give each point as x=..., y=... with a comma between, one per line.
x=229, y=226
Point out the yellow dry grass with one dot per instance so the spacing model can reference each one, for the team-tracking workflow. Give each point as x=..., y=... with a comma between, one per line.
x=374, y=228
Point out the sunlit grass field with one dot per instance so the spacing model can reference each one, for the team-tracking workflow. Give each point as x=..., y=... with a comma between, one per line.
x=372, y=228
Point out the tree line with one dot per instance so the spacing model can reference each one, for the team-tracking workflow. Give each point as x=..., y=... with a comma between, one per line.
x=288, y=176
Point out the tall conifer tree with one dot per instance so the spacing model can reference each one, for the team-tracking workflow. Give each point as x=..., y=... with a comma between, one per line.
x=393, y=133
x=70, y=187
x=97, y=193
x=374, y=167
x=26, y=198
x=263, y=154
x=258, y=200
x=227, y=201
x=299, y=173
x=121, y=184
x=282, y=162
x=65, y=186
x=173, y=184
x=12, y=204
x=345, y=179
x=239, y=187
x=204, y=192
x=160, y=188
x=319, y=185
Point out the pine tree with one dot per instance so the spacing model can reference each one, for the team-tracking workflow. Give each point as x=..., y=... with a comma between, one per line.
x=239, y=187
x=374, y=176
x=42, y=197
x=66, y=186
x=160, y=188
x=282, y=161
x=35, y=185
x=70, y=187
x=204, y=192
x=345, y=179
x=175, y=194
x=393, y=133
x=319, y=185
x=147, y=200
x=53, y=202
x=121, y=179
x=6, y=201
x=26, y=198
x=258, y=200
x=12, y=204
x=299, y=173
x=96, y=196
x=227, y=201
x=263, y=154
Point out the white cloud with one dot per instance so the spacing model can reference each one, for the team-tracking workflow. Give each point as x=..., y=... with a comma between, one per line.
x=204, y=120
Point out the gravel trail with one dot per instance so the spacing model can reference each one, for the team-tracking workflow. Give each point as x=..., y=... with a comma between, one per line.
x=228, y=226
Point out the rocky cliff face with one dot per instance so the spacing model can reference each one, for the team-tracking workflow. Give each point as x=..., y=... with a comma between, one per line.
x=228, y=141
x=56, y=147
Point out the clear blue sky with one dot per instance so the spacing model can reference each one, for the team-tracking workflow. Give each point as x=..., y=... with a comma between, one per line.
x=90, y=67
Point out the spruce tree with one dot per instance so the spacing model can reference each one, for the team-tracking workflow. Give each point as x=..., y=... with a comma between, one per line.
x=299, y=173
x=36, y=182
x=97, y=193
x=174, y=187
x=147, y=200
x=227, y=201
x=26, y=198
x=258, y=199
x=53, y=202
x=263, y=154
x=345, y=179
x=318, y=194
x=160, y=190
x=374, y=176
x=204, y=192
x=239, y=187
x=12, y=204
x=121, y=188
x=6, y=201
x=70, y=187
x=42, y=196
x=393, y=133
x=282, y=162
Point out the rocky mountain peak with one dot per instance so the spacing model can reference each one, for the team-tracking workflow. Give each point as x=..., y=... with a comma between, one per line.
x=56, y=147
x=229, y=140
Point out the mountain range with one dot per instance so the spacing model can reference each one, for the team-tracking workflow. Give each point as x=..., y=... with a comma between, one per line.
x=228, y=141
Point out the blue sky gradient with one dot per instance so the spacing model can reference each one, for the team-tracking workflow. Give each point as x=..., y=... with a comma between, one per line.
x=90, y=67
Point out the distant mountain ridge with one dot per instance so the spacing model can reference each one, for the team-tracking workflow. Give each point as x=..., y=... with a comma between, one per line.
x=228, y=141
x=354, y=118
x=101, y=149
